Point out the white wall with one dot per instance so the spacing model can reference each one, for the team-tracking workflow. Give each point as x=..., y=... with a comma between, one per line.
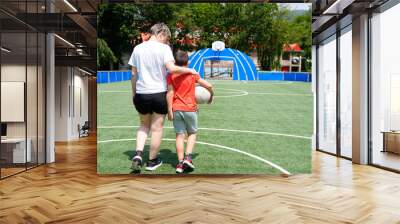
x=70, y=83
x=79, y=117
x=62, y=82
x=82, y=82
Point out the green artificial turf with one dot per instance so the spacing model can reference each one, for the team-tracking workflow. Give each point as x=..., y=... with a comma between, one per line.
x=271, y=108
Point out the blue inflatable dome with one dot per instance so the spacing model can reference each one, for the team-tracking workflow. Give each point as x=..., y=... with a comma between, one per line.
x=243, y=66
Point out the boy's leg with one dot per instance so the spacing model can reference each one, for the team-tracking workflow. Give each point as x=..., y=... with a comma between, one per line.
x=188, y=162
x=180, y=129
x=180, y=139
x=191, y=127
x=179, y=126
x=190, y=143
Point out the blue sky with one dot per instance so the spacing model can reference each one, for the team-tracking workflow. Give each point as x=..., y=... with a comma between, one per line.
x=297, y=6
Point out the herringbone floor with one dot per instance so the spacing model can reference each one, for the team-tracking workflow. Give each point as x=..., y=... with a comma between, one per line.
x=70, y=191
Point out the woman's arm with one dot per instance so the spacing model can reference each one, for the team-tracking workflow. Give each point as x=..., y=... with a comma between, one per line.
x=170, y=97
x=172, y=68
x=133, y=81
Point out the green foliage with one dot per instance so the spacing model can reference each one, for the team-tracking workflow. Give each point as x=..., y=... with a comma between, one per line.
x=264, y=28
x=300, y=32
x=105, y=56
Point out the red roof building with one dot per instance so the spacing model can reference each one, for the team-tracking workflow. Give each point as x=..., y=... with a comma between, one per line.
x=292, y=48
x=291, y=58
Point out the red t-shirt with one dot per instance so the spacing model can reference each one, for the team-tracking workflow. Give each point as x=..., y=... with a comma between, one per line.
x=184, y=91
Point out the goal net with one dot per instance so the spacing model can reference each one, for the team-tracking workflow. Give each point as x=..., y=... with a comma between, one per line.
x=220, y=70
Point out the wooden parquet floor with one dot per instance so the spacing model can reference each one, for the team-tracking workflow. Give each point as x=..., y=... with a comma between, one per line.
x=70, y=191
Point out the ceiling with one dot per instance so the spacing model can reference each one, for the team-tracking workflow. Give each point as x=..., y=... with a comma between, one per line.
x=74, y=22
x=328, y=12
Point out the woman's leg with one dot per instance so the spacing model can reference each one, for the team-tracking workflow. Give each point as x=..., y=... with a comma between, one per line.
x=141, y=136
x=143, y=131
x=157, y=124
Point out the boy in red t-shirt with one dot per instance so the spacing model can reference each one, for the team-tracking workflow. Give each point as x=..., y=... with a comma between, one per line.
x=182, y=109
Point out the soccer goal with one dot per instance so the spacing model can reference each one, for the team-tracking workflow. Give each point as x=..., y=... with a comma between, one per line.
x=220, y=70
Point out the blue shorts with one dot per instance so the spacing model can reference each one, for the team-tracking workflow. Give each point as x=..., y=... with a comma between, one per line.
x=185, y=122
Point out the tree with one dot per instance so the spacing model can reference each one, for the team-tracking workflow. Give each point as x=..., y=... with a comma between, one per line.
x=300, y=32
x=246, y=27
x=119, y=24
x=105, y=56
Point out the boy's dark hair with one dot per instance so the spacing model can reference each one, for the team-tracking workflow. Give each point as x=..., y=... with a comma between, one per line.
x=181, y=58
x=145, y=27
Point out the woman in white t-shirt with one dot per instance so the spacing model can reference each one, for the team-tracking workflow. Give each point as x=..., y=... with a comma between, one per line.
x=150, y=61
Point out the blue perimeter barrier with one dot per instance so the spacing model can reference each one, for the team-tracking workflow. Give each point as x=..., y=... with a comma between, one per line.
x=118, y=76
x=113, y=76
x=285, y=76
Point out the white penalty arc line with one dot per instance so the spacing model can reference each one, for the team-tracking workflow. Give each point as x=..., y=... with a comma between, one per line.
x=235, y=82
x=241, y=93
x=214, y=145
x=219, y=129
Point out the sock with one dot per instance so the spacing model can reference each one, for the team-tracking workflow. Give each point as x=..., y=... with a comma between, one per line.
x=189, y=156
x=139, y=153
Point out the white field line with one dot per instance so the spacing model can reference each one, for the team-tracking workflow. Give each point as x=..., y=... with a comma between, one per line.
x=218, y=129
x=214, y=145
x=282, y=94
x=236, y=92
x=233, y=92
x=235, y=82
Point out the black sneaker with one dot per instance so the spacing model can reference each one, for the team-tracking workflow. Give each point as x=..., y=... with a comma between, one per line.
x=153, y=164
x=137, y=163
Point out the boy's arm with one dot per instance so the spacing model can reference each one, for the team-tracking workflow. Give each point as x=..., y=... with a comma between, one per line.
x=208, y=86
x=170, y=97
x=178, y=70
x=134, y=80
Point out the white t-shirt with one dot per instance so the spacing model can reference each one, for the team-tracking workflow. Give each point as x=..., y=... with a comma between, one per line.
x=149, y=58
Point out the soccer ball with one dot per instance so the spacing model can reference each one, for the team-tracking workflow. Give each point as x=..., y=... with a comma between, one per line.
x=202, y=95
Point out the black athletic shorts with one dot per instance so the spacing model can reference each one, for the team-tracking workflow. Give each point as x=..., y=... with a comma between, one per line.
x=151, y=103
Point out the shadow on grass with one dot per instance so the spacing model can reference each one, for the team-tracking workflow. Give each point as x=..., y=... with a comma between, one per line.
x=167, y=156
